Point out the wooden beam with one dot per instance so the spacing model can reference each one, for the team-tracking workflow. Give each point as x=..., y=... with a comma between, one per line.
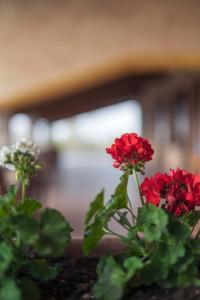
x=90, y=99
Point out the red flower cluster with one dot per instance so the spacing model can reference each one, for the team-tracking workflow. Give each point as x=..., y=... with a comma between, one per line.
x=178, y=192
x=130, y=150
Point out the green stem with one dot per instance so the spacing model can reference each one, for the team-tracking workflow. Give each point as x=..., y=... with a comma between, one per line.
x=138, y=186
x=109, y=231
x=131, y=211
x=119, y=223
x=24, y=187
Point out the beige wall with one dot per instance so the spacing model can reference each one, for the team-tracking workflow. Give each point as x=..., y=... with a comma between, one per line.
x=65, y=45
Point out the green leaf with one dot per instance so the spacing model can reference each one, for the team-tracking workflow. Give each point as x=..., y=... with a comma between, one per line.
x=195, y=247
x=9, y=290
x=121, y=189
x=120, y=198
x=135, y=245
x=54, y=233
x=154, y=271
x=95, y=231
x=93, y=234
x=29, y=206
x=178, y=230
x=169, y=251
x=95, y=205
x=10, y=196
x=189, y=277
x=115, y=203
x=40, y=269
x=152, y=221
x=26, y=229
x=172, y=245
x=132, y=264
x=193, y=217
x=184, y=262
x=7, y=201
x=111, y=280
x=6, y=257
x=29, y=290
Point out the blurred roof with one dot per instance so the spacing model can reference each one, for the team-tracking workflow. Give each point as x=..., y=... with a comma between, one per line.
x=53, y=48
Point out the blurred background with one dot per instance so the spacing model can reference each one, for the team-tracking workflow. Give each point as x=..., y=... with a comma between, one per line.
x=76, y=74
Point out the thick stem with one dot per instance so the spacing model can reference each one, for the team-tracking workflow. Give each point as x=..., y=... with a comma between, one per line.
x=138, y=186
x=24, y=187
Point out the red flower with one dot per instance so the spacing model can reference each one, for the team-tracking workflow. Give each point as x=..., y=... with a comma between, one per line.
x=178, y=192
x=154, y=188
x=130, y=150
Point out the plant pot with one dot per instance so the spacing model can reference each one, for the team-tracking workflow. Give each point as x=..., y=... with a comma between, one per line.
x=78, y=274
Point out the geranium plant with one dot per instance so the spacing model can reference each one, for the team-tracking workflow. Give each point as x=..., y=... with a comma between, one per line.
x=29, y=234
x=160, y=238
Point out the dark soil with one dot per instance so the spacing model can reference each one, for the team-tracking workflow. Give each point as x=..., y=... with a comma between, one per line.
x=77, y=275
x=74, y=281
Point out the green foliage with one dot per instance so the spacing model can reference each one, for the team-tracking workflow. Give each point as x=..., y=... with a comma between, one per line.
x=53, y=233
x=99, y=215
x=28, y=289
x=29, y=206
x=93, y=235
x=28, y=237
x=132, y=264
x=193, y=217
x=26, y=243
x=9, y=290
x=7, y=201
x=111, y=280
x=152, y=221
x=6, y=258
x=158, y=246
x=169, y=260
x=114, y=276
x=120, y=198
x=95, y=205
x=40, y=269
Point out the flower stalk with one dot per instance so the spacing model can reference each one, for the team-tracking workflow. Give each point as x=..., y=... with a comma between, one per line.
x=21, y=158
x=24, y=188
x=138, y=186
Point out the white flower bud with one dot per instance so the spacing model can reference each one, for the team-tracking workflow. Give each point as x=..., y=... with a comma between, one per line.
x=9, y=155
x=4, y=154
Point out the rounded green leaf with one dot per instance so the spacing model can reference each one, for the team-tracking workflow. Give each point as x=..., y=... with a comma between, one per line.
x=54, y=233
x=152, y=221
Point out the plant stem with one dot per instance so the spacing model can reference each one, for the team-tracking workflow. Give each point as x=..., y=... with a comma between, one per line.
x=138, y=186
x=119, y=223
x=131, y=211
x=109, y=231
x=24, y=187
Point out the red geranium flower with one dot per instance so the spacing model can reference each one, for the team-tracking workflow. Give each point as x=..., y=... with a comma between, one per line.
x=178, y=192
x=130, y=150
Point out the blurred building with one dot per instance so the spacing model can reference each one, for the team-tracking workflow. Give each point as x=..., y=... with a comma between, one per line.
x=74, y=74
